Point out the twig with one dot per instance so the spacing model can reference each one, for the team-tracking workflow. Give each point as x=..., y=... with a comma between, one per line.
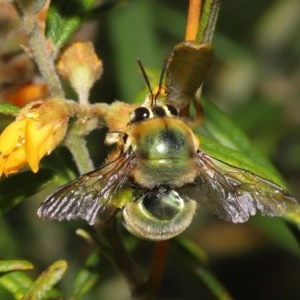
x=120, y=258
x=76, y=143
x=193, y=19
x=39, y=50
x=157, y=266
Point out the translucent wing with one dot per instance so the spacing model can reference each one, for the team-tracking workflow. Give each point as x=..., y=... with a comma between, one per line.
x=235, y=194
x=90, y=194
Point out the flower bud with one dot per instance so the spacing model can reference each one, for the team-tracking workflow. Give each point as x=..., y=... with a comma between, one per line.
x=80, y=65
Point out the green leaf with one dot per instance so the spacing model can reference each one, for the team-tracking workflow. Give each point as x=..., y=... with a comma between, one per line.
x=222, y=129
x=123, y=44
x=16, y=283
x=238, y=159
x=39, y=290
x=280, y=233
x=191, y=249
x=64, y=18
x=192, y=257
x=8, y=109
x=14, y=265
x=212, y=283
x=87, y=277
x=27, y=184
x=208, y=21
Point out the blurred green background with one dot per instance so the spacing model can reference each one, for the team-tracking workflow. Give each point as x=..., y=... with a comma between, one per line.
x=255, y=79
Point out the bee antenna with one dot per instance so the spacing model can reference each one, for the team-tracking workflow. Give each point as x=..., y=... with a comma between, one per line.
x=162, y=75
x=146, y=79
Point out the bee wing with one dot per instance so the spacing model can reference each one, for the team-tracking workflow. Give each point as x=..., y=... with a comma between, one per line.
x=234, y=194
x=90, y=194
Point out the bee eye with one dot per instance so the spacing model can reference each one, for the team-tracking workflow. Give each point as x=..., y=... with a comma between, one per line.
x=173, y=111
x=140, y=114
x=158, y=111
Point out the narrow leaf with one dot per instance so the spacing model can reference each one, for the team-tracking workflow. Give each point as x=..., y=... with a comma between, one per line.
x=14, y=265
x=87, y=277
x=208, y=21
x=192, y=257
x=45, y=282
x=64, y=18
x=16, y=283
x=213, y=284
x=238, y=159
x=191, y=249
x=8, y=109
x=223, y=130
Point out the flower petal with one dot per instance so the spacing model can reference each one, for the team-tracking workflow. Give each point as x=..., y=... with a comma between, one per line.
x=12, y=136
x=32, y=143
x=15, y=161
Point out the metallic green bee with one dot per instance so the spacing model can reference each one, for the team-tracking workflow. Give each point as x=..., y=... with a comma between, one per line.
x=157, y=173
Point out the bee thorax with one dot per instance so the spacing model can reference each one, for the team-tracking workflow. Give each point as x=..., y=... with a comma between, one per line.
x=165, y=150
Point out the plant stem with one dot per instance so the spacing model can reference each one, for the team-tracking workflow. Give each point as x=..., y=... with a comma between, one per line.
x=193, y=19
x=76, y=143
x=157, y=266
x=208, y=20
x=45, y=63
x=121, y=259
x=40, y=53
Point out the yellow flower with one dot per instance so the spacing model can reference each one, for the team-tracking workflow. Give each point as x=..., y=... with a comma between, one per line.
x=37, y=130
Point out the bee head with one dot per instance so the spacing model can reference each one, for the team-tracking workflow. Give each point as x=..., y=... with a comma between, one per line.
x=151, y=109
x=156, y=111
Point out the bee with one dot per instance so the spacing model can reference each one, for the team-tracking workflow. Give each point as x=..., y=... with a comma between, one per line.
x=156, y=176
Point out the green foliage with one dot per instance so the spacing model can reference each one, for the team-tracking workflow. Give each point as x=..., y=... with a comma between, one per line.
x=64, y=18
x=16, y=283
x=12, y=265
x=22, y=287
x=256, y=105
x=42, y=286
x=222, y=129
x=208, y=21
x=11, y=196
x=8, y=109
x=195, y=262
x=87, y=277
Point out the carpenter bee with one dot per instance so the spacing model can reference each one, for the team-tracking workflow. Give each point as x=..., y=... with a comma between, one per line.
x=158, y=173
